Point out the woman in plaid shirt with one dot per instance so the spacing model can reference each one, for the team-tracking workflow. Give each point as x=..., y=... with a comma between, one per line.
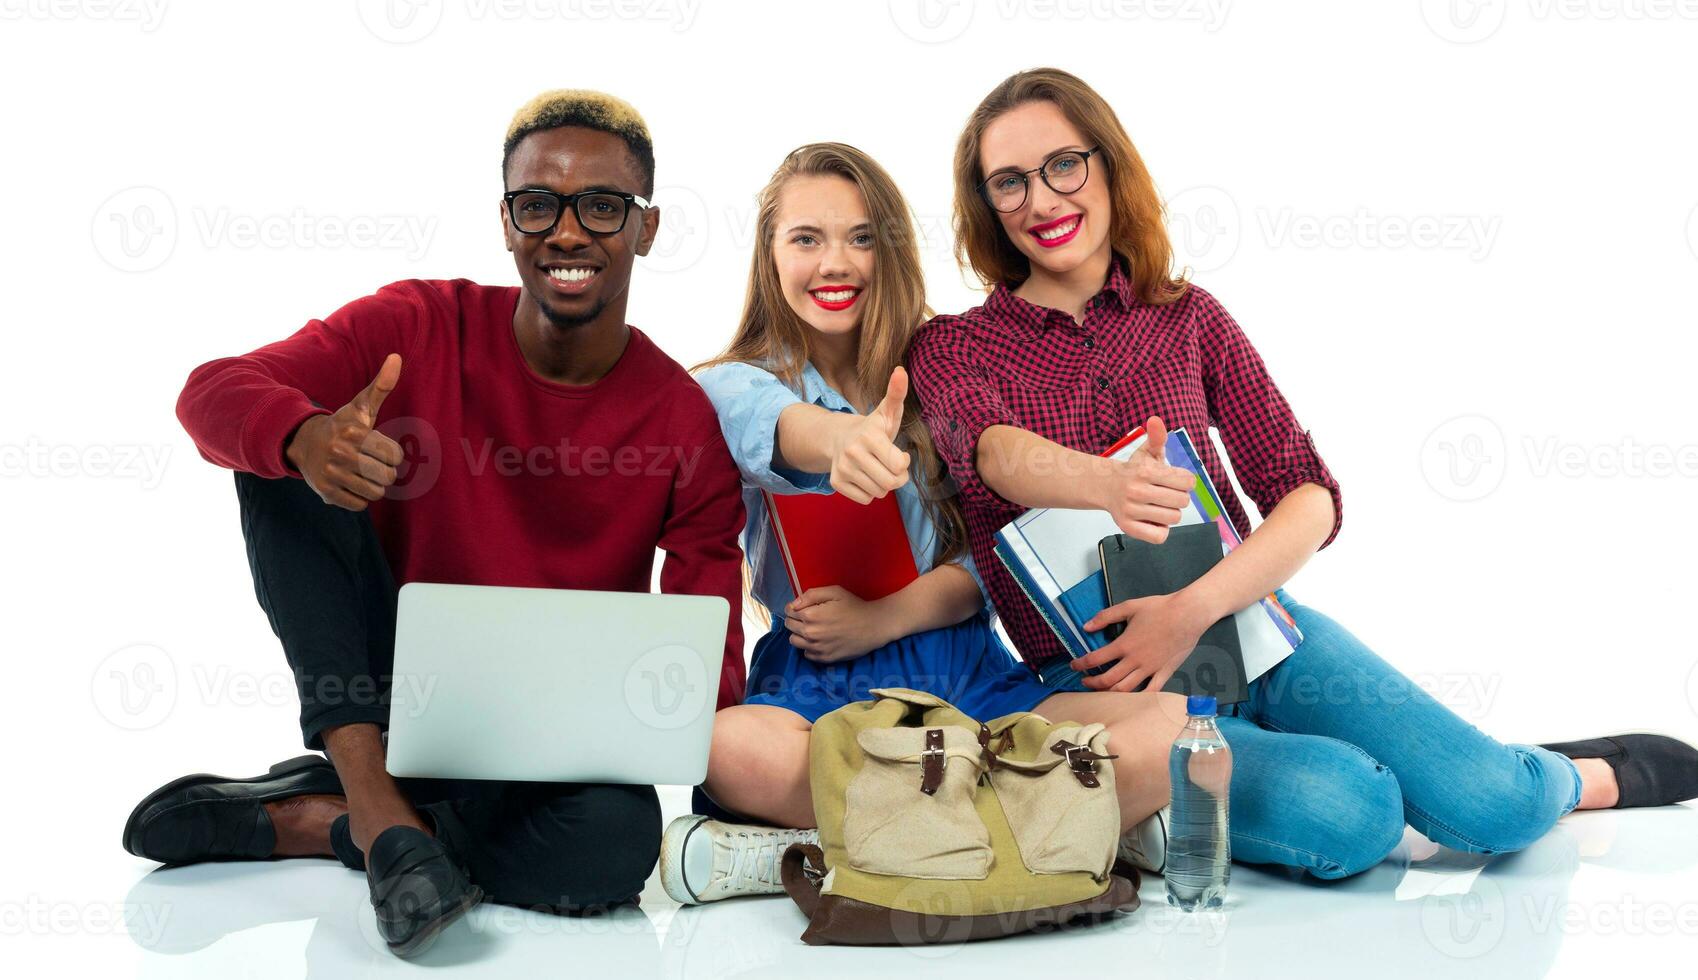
x=1085, y=334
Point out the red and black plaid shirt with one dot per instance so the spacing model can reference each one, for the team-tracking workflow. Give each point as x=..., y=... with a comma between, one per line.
x=1084, y=386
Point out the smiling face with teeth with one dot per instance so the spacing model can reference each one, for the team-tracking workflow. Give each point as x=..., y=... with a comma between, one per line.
x=823, y=249
x=573, y=278
x=1058, y=233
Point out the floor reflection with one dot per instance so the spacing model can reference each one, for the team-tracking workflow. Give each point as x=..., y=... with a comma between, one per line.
x=181, y=914
x=1426, y=911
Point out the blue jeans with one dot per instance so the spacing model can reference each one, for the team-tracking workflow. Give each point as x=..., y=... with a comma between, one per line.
x=1335, y=751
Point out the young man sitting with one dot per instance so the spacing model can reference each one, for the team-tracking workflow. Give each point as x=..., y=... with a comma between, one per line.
x=337, y=509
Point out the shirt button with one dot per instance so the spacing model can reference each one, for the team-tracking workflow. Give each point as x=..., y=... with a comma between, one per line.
x=1090, y=343
x=1102, y=384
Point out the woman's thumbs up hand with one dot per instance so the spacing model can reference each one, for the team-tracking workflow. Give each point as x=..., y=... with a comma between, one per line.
x=866, y=464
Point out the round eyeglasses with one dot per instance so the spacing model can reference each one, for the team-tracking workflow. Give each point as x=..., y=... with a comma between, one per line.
x=599, y=212
x=1063, y=172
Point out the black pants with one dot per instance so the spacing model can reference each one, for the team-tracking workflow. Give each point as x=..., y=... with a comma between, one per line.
x=322, y=579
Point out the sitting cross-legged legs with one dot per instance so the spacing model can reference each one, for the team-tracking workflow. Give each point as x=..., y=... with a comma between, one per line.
x=430, y=848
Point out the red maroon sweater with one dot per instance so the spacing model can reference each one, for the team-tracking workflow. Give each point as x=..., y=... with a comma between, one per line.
x=510, y=479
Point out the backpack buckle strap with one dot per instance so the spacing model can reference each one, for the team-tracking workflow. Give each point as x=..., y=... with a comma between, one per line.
x=1081, y=761
x=931, y=762
x=987, y=755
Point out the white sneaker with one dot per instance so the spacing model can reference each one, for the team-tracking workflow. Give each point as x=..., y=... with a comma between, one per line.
x=1145, y=846
x=704, y=860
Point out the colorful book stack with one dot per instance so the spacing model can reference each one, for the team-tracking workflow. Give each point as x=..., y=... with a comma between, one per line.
x=1052, y=554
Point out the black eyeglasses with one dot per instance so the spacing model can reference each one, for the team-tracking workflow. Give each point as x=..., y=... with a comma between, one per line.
x=1063, y=172
x=599, y=212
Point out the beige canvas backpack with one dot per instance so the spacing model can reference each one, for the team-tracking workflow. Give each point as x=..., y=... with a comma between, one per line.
x=937, y=828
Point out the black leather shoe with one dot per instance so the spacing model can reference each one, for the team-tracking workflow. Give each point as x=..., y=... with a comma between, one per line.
x=417, y=888
x=217, y=818
x=1650, y=770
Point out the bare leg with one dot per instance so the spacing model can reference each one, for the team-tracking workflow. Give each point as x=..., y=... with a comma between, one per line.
x=302, y=824
x=375, y=802
x=1598, y=789
x=1141, y=727
x=758, y=765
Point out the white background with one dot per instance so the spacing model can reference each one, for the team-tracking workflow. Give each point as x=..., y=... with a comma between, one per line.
x=1462, y=235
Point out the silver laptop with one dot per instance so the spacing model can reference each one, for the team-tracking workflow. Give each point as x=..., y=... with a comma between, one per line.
x=554, y=685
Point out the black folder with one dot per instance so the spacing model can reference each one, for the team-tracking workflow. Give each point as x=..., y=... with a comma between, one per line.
x=1133, y=569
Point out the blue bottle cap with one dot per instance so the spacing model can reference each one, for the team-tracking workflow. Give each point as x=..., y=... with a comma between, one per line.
x=1200, y=704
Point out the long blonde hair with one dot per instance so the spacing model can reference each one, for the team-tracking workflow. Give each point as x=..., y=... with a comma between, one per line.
x=1138, y=233
x=773, y=336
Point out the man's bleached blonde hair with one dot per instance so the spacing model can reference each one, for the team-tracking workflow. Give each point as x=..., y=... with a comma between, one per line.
x=591, y=110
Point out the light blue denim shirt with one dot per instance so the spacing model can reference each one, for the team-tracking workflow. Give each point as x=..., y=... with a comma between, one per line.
x=748, y=401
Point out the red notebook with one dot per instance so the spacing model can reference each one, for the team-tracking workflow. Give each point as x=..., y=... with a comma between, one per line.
x=828, y=539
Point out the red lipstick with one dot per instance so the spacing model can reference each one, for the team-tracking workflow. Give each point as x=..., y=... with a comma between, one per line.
x=1076, y=219
x=835, y=305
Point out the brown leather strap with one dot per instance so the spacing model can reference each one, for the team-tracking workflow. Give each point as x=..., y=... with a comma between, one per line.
x=987, y=755
x=801, y=868
x=1081, y=761
x=931, y=762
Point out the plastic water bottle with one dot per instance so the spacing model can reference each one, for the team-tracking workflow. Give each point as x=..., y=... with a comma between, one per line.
x=1199, y=849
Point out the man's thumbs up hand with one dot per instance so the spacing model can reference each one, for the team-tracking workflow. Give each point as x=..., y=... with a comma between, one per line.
x=368, y=401
x=342, y=456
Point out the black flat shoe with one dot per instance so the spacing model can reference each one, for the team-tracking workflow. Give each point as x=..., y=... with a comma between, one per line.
x=1650, y=770
x=417, y=888
x=216, y=818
